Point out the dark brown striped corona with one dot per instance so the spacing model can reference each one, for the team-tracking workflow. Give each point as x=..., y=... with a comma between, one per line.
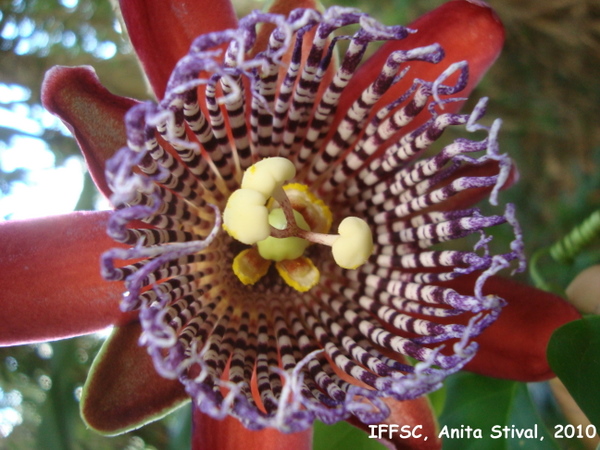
x=340, y=347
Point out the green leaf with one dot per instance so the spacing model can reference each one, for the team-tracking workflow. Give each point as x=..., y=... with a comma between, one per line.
x=342, y=435
x=488, y=413
x=179, y=428
x=523, y=415
x=574, y=355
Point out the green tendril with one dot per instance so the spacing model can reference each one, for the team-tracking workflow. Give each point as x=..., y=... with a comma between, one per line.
x=565, y=250
x=578, y=239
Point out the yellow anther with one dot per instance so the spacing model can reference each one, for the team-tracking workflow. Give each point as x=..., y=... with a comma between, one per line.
x=354, y=245
x=268, y=175
x=283, y=221
x=300, y=273
x=249, y=266
x=246, y=217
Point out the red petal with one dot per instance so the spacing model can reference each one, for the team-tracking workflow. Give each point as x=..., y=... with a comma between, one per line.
x=161, y=31
x=230, y=434
x=466, y=30
x=417, y=416
x=91, y=112
x=123, y=390
x=514, y=347
x=51, y=284
x=286, y=6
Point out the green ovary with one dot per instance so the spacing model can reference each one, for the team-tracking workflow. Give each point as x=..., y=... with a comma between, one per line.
x=280, y=249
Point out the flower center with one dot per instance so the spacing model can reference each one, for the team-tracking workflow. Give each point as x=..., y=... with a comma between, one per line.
x=280, y=221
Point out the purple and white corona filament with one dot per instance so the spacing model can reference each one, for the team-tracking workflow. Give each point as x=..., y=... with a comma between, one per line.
x=337, y=346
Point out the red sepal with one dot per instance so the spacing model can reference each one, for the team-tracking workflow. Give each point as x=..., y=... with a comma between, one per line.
x=50, y=278
x=230, y=434
x=162, y=31
x=467, y=31
x=92, y=114
x=123, y=390
x=417, y=416
x=514, y=346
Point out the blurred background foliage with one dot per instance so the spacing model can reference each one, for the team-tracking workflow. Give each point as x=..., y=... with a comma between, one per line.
x=545, y=87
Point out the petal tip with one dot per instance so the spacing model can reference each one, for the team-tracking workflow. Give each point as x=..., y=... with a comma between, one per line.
x=58, y=78
x=123, y=391
x=92, y=113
